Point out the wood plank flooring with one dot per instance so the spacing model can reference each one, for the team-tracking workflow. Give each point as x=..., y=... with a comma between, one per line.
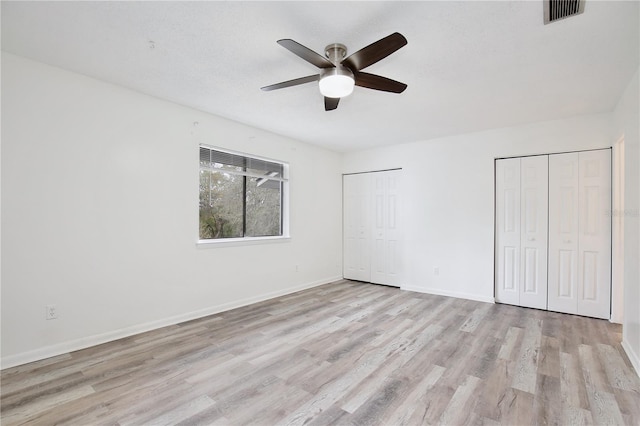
x=344, y=353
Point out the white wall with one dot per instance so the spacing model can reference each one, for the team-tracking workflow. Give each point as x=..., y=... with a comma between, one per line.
x=627, y=124
x=100, y=214
x=449, y=197
x=99, y=210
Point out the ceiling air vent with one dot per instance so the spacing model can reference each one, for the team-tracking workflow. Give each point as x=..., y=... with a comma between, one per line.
x=555, y=10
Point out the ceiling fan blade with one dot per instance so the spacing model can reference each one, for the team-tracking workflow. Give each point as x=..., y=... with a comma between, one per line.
x=374, y=52
x=330, y=103
x=377, y=82
x=295, y=82
x=306, y=53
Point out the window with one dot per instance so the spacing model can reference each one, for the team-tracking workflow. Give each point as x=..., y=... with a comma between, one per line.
x=240, y=196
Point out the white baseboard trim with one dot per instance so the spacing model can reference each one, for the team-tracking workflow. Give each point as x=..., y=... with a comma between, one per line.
x=456, y=294
x=98, y=339
x=633, y=357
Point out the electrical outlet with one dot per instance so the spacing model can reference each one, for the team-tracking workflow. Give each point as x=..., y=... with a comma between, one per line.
x=51, y=312
x=436, y=271
x=297, y=268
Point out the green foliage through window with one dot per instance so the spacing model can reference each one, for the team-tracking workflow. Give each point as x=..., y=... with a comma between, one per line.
x=239, y=196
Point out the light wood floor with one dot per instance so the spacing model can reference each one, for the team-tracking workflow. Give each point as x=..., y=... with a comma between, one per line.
x=342, y=353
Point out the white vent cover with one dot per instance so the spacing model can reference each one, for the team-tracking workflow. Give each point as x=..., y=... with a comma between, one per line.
x=555, y=10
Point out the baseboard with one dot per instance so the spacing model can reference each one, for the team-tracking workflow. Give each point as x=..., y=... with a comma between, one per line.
x=615, y=320
x=633, y=357
x=456, y=294
x=85, y=342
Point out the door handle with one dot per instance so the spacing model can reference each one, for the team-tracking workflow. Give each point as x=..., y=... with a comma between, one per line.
x=566, y=241
x=532, y=238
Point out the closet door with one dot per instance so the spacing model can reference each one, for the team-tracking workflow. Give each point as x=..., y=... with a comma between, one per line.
x=594, y=249
x=357, y=227
x=580, y=233
x=521, y=231
x=508, y=231
x=386, y=234
x=563, y=232
x=534, y=181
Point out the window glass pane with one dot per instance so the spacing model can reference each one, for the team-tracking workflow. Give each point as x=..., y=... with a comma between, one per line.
x=240, y=196
x=263, y=207
x=226, y=167
x=219, y=166
x=261, y=167
x=220, y=205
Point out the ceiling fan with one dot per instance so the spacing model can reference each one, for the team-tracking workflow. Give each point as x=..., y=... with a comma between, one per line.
x=338, y=75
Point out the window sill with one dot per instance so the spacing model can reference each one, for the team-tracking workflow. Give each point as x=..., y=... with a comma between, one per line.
x=233, y=242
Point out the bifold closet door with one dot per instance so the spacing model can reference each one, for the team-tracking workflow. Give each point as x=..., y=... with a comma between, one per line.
x=356, y=191
x=580, y=233
x=508, y=231
x=563, y=232
x=521, y=231
x=372, y=227
x=594, y=249
x=534, y=205
x=386, y=257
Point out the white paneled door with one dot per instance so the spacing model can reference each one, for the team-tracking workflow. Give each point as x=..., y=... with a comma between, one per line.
x=357, y=227
x=563, y=232
x=534, y=198
x=372, y=227
x=553, y=232
x=594, y=251
x=387, y=256
x=508, y=231
x=580, y=233
x=521, y=231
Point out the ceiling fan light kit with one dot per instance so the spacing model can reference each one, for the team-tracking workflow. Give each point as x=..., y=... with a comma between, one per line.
x=338, y=75
x=336, y=82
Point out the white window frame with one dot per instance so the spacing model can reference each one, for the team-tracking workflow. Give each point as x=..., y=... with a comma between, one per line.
x=284, y=208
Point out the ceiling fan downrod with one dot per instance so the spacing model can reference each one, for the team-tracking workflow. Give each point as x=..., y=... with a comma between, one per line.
x=335, y=52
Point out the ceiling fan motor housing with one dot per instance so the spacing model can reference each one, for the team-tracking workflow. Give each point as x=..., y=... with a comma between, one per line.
x=335, y=52
x=338, y=81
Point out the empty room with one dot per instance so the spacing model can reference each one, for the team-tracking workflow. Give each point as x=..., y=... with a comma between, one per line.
x=350, y=213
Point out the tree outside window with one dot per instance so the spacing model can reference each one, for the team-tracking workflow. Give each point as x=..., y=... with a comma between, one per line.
x=240, y=196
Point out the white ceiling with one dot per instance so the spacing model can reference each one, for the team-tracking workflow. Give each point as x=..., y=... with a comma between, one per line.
x=469, y=65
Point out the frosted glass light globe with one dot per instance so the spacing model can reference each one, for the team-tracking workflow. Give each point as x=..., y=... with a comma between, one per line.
x=336, y=82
